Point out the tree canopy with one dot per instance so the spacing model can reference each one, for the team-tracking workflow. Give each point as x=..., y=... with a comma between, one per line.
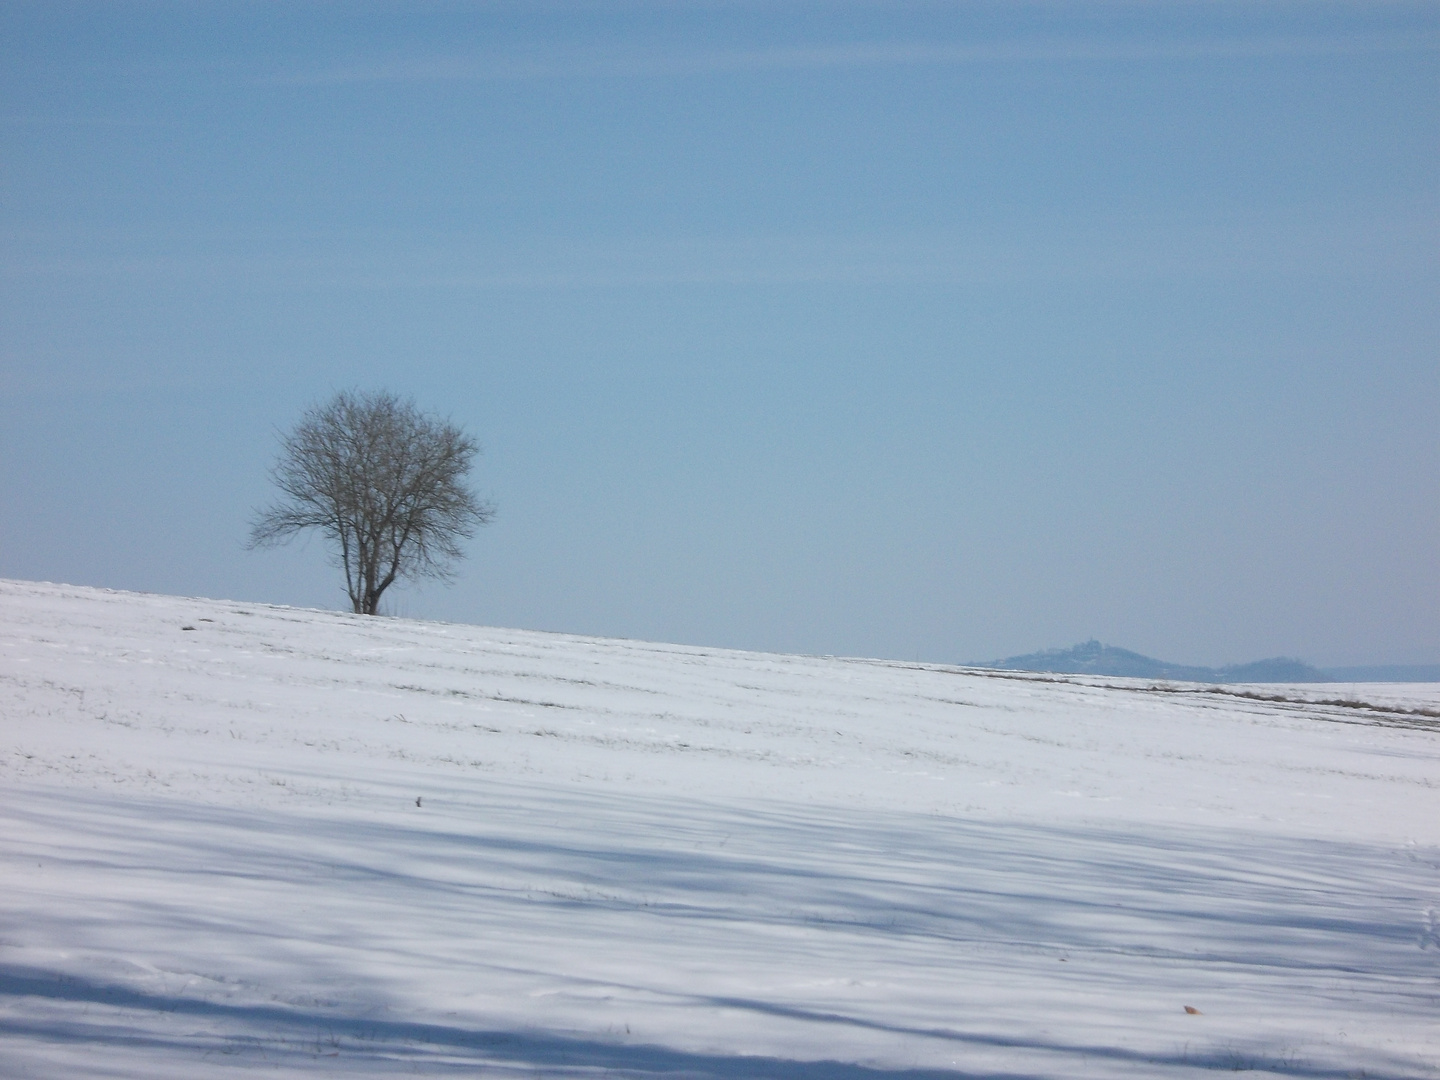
x=384, y=483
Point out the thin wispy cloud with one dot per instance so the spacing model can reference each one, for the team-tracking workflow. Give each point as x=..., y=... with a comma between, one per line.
x=631, y=62
x=367, y=261
x=22, y=123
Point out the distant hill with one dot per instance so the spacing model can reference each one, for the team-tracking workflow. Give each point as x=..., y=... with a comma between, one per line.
x=1094, y=658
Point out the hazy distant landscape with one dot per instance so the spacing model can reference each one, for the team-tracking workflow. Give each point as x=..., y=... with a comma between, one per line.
x=1093, y=658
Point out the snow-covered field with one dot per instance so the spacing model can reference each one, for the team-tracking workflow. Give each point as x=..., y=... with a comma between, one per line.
x=239, y=837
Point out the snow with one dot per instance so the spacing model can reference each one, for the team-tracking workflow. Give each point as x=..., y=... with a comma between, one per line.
x=239, y=837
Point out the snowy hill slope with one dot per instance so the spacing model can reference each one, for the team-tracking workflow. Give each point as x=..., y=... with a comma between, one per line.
x=244, y=838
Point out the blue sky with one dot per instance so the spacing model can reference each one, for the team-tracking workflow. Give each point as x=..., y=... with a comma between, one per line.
x=940, y=331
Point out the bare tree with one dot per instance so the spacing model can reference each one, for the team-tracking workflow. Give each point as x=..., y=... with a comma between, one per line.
x=385, y=485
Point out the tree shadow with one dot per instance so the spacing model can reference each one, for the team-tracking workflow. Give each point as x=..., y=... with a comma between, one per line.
x=1287, y=914
x=358, y=1041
